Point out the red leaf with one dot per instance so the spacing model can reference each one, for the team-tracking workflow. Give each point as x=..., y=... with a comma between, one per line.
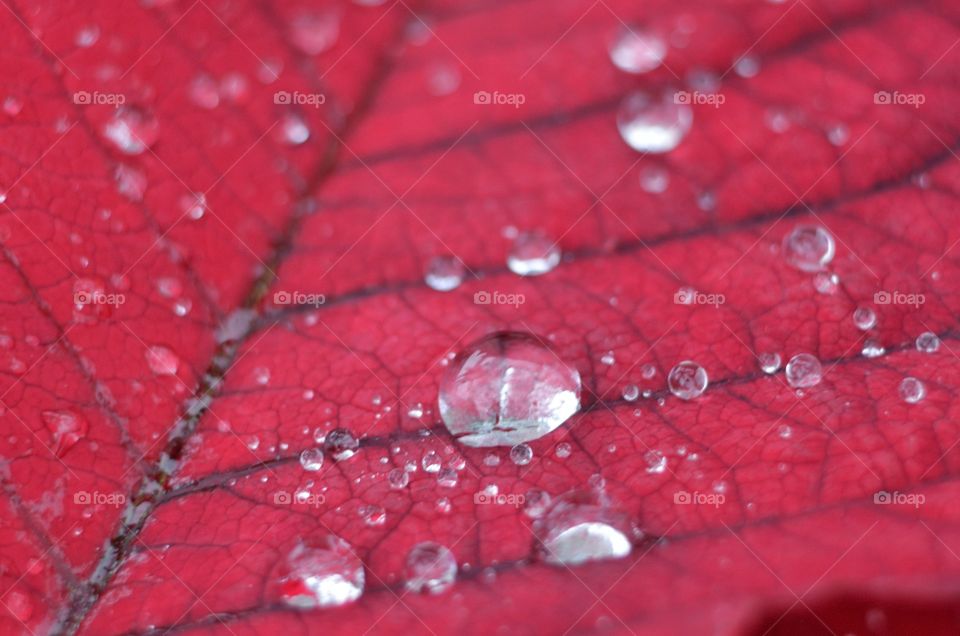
x=217, y=219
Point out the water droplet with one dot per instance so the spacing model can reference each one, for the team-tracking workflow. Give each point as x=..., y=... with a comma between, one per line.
x=491, y=460
x=132, y=130
x=747, y=66
x=563, y=450
x=912, y=390
x=446, y=477
x=654, y=180
x=656, y=461
x=769, y=362
x=838, y=134
x=194, y=205
x=635, y=50
x=162, y=360
x=294, y=130
x=12, y=106
x=444, y=273
x=415, y=411
x=340, y=444
x=261, y=375
x=630, y=392
x=572, y=533
x=803, y=371
x=398, y=478
x=687, y=380
x=535, y=503
x=87, y=36
x=443, y=505
x=330, y=575
x=205, y=92
x=66, y=429
x=648, y=124
x=430, y=568
x=826, y=283
x=315, y=32
x=443, y=79
x=784, y=431
x=648, y=371
x=533, y=254
x=608, y=359
x=872, y=348
x=431, y=462
x=864, y=318
x=131, y=182
x=809, y=248
x=928, y=342
x=507, y=388
x=373, y=515
x=521, y=454
x=311, y=459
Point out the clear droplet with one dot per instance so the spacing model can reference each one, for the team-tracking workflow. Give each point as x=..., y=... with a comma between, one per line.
x=533, y=254
x=608, y=359
x=838, y=134
x=864, y=318
x=330, y=575
x=563, y=450
x=507, y=388
x=826, y=283
x=574, y=532
x=747, y=66
x=630, y=392
x=398, y=478
x=809, y=248
x=635, y=50
x=294, y=130
x=912, y=390
x=521, y=454
x=315, y=32
x=444, y=273
x=340, y=444
x=648, y=371
x=655, y=125
x=447, y=477
x=132, y=130
x=769, y=362
x=431, y=568
x=872, y=348
x=656, y=461
x=311, y=459
x=687, y=380
x=803, y=371
x=928, y=342
x=654, y=180
x=66, y=429
x=162, y=360
x=431, y=462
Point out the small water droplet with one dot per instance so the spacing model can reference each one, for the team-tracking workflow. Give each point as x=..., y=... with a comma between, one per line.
x=443, y=505
x=533, y=254
x=636, y=50
x=430, y=568
x=656, y=461
x=769, y=362
x=132, y=130
x=784, y=431
x=912, y=390
x=747, y=66
x=872, y=348
x=446, y=477
x=491, y=460
x=131, y=182
x=398, y=478
x=563, y=450
x=809, y=248
x=294, y=130
x=311, y=459
x=864, y=318
x=838, y=134
x=648, y=371
x=443, y=79
x=194, y=205
x=608, y=358
x=162, y=360
x=373, y=515
x=654, y=180
x=655, y=125
x=204, y=91
x=826, y=283
x=687, y=380
x=261, y=375
x=572, y=533
x=340, y=444
x=507, y=388
x=521, y=454
x=535, y=503
x=444, y=273
x=315, y=32
x=12, y=105
x=928, y=342
x=630, y=392
x=431, y=462
x=803, y=371
x=329, y=575
x=87, y=36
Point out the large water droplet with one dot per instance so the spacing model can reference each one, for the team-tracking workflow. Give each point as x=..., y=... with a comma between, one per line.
x=809, y=248
x=330, y=575
x=655, y=125
x=162, y=360
x=574, y=532
x=687, y=380
x=444, y=273
x=132, y=130
x=340, y=444
x=533, y=254
x=928, y=342
x=507, y=388
x=431, y=568
x=912, y=390
x=803, y=371
x=311, y=459
x=635, y=50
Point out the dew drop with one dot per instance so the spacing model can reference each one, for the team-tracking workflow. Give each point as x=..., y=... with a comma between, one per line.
x=928, y=342
x=261, y=375
x=430, y=568
x=912, y=390
x=398, y=478
x=131, y=183
x=864, y=318
x=838, y=134
x=87, y=36
x=507, y=388
x=443, y=79
x=648, y=371
x=535, y=503
x=315, y=32
x=204, y=92
x=444, y=273
x=872, y=348
x=327, y=576
x=491, y=460
x=446, y=477
x=826, y=283
x=373, y=515
x=809, y=248
x=571, y=533
x=630, y=392
x=687, y=380
x=443, y=505
x=162, y=360
x=340, y=444
x=66, y=429
x=648, y=124
x=415, y=411
x=311, y=459
x=194, y=205
x=656, y=462
x=294, y=130
x=533, y=254
x=747, y=66
x=12, y=106
x=635, y=50
x=608, y=359
x=521, y=454
x=803, y=371
x=132, y=130
x=431, y=462
x=563, y=450
x=654, y=180
x=769, y=362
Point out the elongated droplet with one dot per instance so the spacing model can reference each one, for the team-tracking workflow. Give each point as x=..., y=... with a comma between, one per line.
x=769, y=362
x=507, y=388
x=687, y=380
x=912, y=390
x=653, y=124
x=803, y=371
x=635, y=50
x=431, y=568
x=132, y=130
x=330, y=575
x=809, y=248
x=928, y=342
x=574, y=532
x=444, y=273
x=533, y=254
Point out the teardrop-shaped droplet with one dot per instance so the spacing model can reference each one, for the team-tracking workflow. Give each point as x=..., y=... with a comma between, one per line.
x=803, y=371
x=507, y=388
x=687, y=380
x=444, y=273
x=431, y=568
x=912, y=390
x=340, y=444
x=329, y=575
x=533, y=254
x=311, y=459
x=162, y=360
x=653, y=124
x=809, y=248
x=636, y=50
x=574, y=531
x=132, y=130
